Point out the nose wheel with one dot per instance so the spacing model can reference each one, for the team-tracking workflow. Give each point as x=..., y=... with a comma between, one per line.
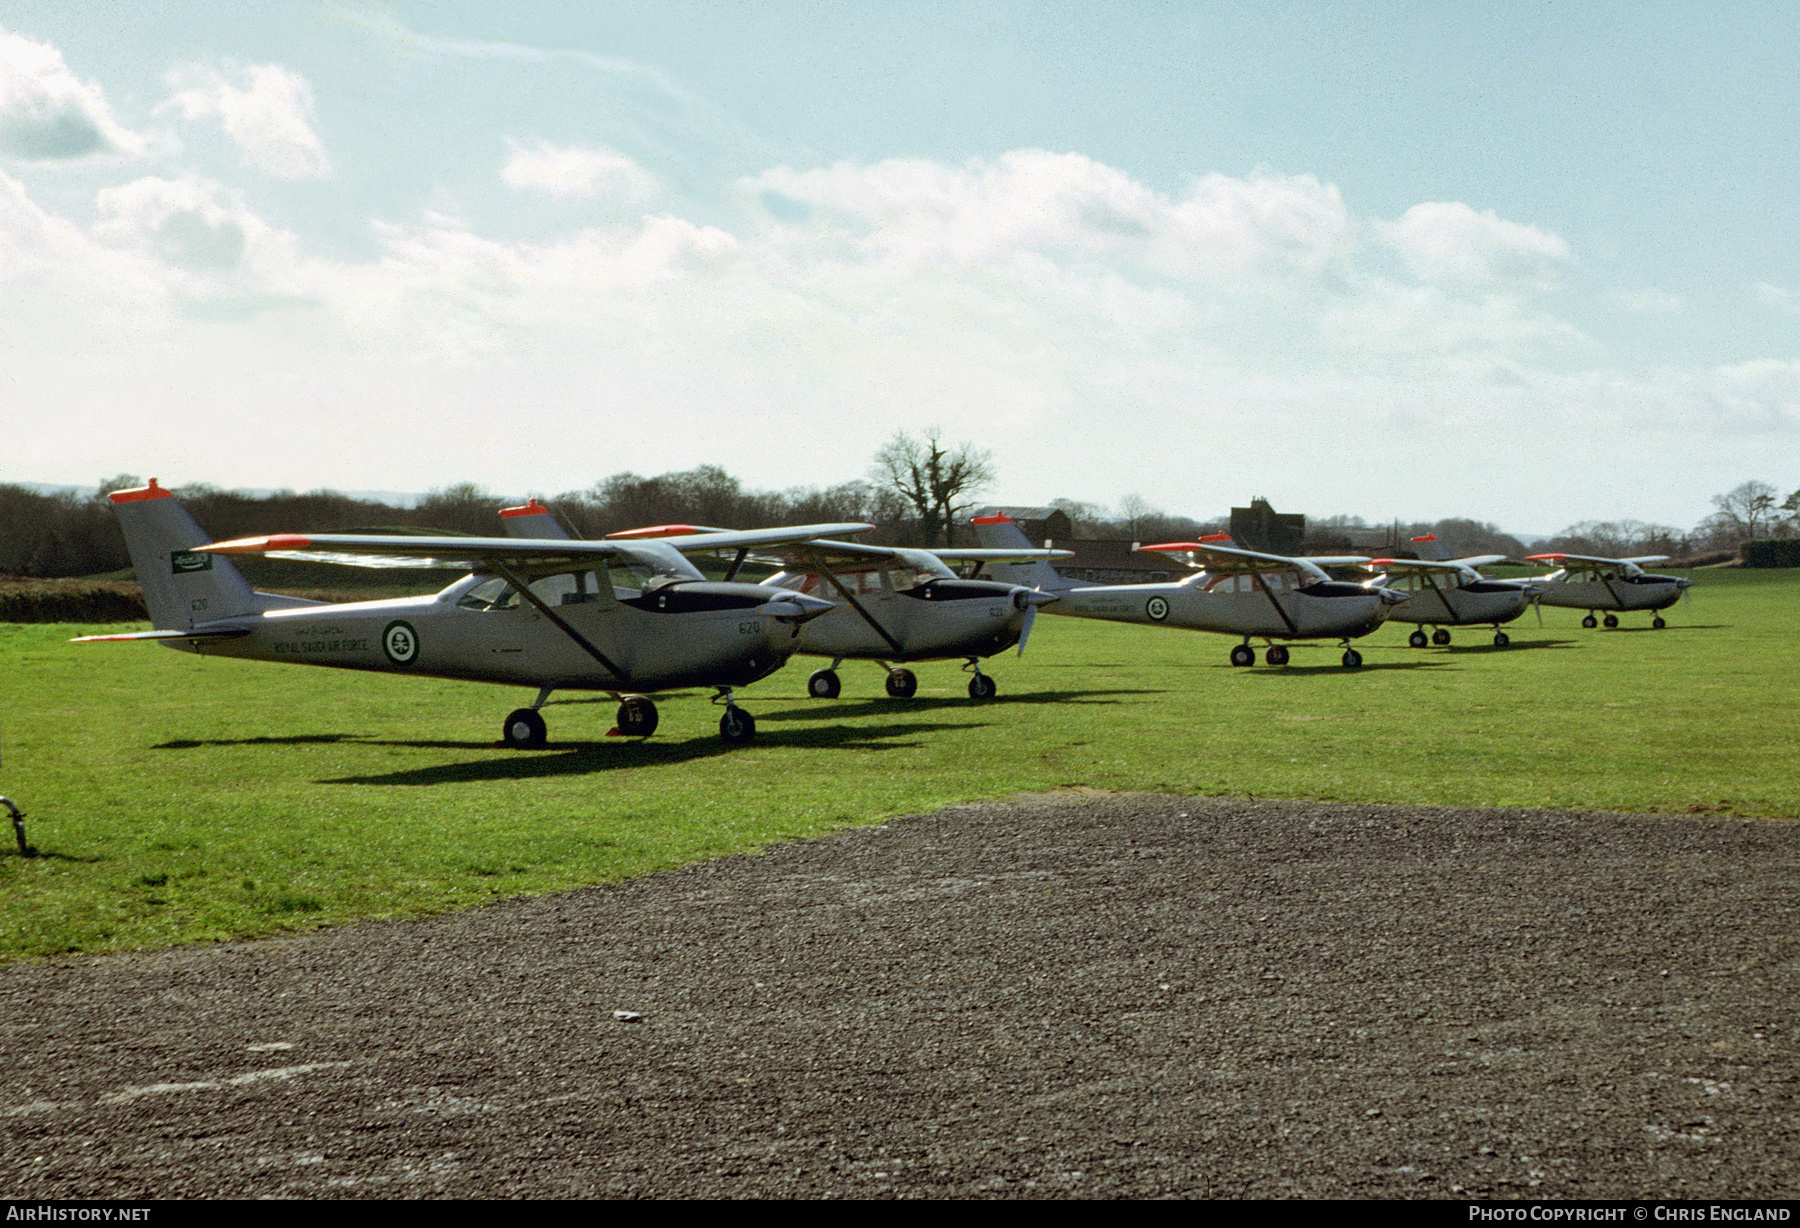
x=903, y=683
x=1440, y=637
x=1243, y=654
x=823, y=684
x=1277, y=654
x=1417, y=639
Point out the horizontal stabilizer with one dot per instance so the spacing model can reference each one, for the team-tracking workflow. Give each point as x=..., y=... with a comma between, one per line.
x=213, y=633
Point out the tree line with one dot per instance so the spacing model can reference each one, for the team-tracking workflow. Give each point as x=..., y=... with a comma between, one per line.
x=917, y=493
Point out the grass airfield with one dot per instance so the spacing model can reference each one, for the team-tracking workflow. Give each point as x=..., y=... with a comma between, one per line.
x=178, y=799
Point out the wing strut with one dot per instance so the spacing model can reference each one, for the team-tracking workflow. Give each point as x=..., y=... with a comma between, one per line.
x=1443, y=596
x=819, y=562
x=1610, y=591
x=1270, y=594
x=524, y=590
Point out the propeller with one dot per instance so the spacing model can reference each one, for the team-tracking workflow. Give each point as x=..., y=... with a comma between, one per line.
x=1033, y=599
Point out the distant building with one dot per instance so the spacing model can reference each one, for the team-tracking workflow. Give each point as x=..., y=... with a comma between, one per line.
x=1261, y=527
x=1096, y=561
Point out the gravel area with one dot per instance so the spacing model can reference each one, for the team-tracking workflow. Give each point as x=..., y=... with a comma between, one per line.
x=1079, y=995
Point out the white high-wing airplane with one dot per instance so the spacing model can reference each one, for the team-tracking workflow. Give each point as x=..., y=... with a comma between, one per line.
x=1584, y=582
x=1446, y=592
x=545, y=614
x=1232, y=592
x=891, y=605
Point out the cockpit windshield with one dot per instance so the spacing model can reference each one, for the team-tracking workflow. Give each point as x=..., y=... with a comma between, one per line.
x=912, y=568
x=652, y=564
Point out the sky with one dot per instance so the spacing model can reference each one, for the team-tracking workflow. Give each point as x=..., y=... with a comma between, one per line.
x=1527, y=263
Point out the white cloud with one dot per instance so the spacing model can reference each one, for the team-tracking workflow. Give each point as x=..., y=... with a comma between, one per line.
x=47, y=113
x=269, y=117
x=1064, y=207
x=1449, y=243
x=586, y=173
x=1778, y=297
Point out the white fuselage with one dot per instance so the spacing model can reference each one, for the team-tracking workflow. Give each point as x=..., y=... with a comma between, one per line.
x=1269, y=606
x=941, y=618
x=1611, y=590
x=1441, y=602
x=693, y=634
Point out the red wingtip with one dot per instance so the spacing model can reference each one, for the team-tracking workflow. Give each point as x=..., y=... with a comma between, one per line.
x=532, y=508
x=1216, y=537
x=658, y=530
x=1429, y=537
x=996, y=518
x=259, y=545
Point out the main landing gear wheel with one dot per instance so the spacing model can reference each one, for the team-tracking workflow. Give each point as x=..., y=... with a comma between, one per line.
x=1611, y=620
x=1352, y=659
x=1243, y=654
x=737, y=726
x=1590, y=622
x=1417, y=639
x=982, y=687
x=524, y=729
x=1440, y=637
x=1277, y=655
x=823, y=684
x=1501, y=639
x=637, y=717
x=902, y=683
x=1658, y=622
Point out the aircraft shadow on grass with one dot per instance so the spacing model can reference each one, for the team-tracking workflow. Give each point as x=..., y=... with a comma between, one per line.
x=845, y=708
x=585, y=758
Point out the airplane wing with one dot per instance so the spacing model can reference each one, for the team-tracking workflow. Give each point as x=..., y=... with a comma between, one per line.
x=1419, y=567
x=376, y=550
x=1594, y=560
x=820, y=551
x=1209, y=555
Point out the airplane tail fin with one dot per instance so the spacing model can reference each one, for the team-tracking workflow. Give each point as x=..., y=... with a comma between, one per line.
x=534, y=521
x=1431, y=549
x=182, y=587
x=1000, y=532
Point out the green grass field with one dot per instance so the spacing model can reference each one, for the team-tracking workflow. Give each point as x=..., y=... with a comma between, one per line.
x=180, y=799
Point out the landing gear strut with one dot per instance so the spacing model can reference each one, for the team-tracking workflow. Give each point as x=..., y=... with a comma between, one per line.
x=736, y=726
x=980, y=685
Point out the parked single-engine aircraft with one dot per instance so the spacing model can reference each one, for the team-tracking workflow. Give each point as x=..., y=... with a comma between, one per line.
x=546, y=614
x=1443, y=592
x=894, y=605
x=1232, y=592
x=1584, y=582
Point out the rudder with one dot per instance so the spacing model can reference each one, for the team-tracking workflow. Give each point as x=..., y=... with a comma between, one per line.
x=182, y=587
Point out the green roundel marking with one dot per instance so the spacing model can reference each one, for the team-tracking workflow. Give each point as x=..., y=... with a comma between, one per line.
x=400, y=642
x=1157, y=608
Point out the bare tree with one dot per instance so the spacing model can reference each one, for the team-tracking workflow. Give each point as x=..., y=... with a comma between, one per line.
x=1747, y=505
x=933, y=480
